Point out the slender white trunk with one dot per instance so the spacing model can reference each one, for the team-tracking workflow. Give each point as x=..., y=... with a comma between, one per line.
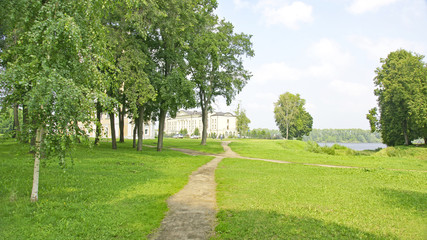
x=35, y=191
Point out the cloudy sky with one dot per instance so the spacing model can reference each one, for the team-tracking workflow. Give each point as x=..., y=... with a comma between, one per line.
x=325, y=50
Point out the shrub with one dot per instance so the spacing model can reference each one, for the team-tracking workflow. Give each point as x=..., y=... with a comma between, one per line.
x=313, y=147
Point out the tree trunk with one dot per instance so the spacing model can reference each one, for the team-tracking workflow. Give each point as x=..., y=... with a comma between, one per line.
x=35, y=190
x=205, y=124
x=33, y=136
x=135, y=131
x=405, y=132
x=25, y=128
x=287, y=131
x=16, y=121
x=113, y=131
x=140, y=127
x=122, y=123
x=98, y=122
x=162, y=118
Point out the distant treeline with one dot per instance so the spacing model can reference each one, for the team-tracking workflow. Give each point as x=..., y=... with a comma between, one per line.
x=263, y=133
x=343, y=135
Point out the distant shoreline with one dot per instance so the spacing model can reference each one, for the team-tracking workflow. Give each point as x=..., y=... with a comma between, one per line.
x=356, y=146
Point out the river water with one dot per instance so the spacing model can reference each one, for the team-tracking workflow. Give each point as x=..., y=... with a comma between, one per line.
x=357, y=146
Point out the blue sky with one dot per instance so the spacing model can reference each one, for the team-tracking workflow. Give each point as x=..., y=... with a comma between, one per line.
x=325, y=50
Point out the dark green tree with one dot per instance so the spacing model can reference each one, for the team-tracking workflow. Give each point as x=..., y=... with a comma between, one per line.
x=401, y=88
x=216, y=62
x=167, y=67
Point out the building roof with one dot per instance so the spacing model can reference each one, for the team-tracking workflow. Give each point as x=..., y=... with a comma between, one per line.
x=226, y=114
x=182, y=113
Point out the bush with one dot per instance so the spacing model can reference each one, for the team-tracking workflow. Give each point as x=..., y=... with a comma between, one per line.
x=313, y=147
x=328, y=150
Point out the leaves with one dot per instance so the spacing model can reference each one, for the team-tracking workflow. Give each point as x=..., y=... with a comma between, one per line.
x=291, y=117
x=402, y=95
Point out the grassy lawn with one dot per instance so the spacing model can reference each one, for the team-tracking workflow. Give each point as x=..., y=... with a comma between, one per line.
x=106, y=194
x=262, y=200
x=212, y=146
x=296, y=151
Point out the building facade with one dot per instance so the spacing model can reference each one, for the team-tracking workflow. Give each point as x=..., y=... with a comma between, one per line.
x=149, y=131
x=219, y=123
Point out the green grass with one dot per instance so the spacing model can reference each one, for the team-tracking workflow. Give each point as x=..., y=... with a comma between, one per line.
x=411, y=158
x=106, y=194
x=262, y=200
x=212, y=146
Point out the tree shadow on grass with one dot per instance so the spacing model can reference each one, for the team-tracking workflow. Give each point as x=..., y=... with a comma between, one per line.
x=257, y=224
x=407, y=199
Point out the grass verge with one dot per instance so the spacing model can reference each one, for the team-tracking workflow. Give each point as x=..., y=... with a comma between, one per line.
x=106, y=194
x=261, y=200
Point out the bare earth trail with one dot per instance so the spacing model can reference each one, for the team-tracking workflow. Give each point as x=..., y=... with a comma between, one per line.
x=192, y=211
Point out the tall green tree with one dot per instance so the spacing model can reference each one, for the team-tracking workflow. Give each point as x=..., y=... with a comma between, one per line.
x=55, y=57
x=291, y=117
x=401, y=88
x=242, y=121
x=167, y=66
x=216, y=62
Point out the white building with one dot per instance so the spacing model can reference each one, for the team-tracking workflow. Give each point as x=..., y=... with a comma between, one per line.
x=149, y=129
x=219, y=123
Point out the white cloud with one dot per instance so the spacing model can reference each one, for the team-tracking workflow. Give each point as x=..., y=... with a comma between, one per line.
x=290, y=15
x=329, y=58
x=276, y=72
x=349, y=88
x=241, y=3
x=380, y=48
x=362, y=6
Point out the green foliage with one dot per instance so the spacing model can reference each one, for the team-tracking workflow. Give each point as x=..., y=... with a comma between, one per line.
x=261, y=200
x=6, y=121
x=402, y=93
x=196, y=132
x=104, y=195
x=51, y=58
x=264, y=133
x=183, y=132
x=242, y=121
x=343, y=136
x=291, y=117
x=216, y=60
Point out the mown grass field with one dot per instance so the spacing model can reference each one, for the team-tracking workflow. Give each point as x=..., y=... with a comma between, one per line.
x=262, y=200
x=121, y=194
x=106, y=194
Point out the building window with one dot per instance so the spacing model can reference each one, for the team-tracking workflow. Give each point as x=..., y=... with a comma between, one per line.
x=146, y=131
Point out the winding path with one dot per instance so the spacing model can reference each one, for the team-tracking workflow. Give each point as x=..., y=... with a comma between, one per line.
x=192, y=211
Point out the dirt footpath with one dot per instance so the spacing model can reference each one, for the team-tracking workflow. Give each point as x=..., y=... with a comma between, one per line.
x=192, y=211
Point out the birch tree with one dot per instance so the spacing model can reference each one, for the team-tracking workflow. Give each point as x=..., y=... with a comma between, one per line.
x=56, y=55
